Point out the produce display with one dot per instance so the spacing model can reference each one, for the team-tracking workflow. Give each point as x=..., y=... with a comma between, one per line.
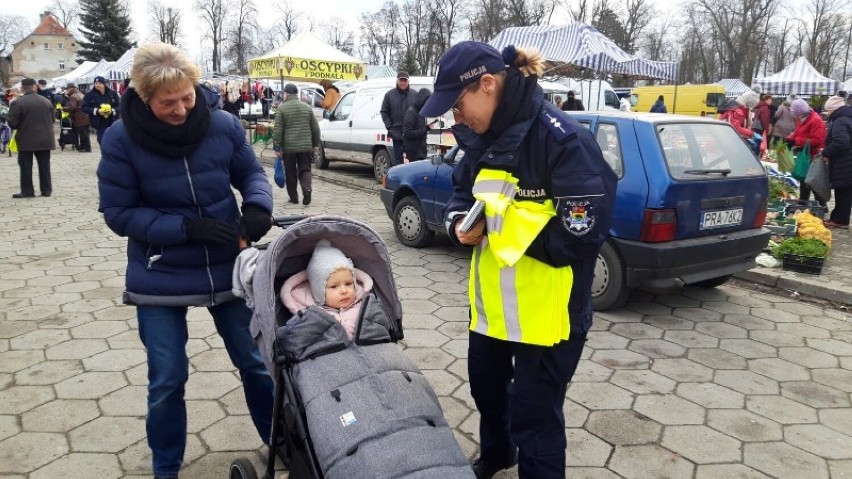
x=811, y=227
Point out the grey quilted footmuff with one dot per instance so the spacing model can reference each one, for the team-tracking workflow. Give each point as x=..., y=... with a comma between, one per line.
x=371, y=413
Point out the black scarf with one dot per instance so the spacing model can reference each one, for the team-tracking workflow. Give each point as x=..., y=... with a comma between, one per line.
x=163, y=139
x=517, y=91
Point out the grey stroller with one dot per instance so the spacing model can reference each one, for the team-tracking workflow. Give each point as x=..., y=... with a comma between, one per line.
x=344, y=409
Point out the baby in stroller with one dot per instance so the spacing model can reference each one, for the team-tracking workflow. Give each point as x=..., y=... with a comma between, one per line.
x=332, y=283
x=353, y=404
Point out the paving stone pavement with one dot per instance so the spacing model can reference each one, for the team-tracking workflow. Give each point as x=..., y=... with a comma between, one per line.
x=725, y=383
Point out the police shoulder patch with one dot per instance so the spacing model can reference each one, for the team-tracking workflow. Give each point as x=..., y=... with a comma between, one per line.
x=577, y=215
x=557, y=123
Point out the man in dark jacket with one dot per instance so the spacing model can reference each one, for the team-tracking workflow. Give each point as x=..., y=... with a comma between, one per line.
x=393, y=110
x=415, y=129
x=295, y=138
x=32, y=116
x=44, y=91
x=101, y=104
x=571, y=103
x=73, y=105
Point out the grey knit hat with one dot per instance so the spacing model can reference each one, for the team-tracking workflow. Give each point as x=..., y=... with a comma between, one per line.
x=326, y=260
x=749, y=99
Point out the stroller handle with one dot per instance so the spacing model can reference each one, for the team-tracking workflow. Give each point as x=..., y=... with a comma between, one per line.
x=285, y=222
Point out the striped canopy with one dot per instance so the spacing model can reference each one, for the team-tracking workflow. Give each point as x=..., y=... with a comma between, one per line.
x=799, y=78
x=848, y=85
x=734, y=87
x=121, y=68
x=582, y=45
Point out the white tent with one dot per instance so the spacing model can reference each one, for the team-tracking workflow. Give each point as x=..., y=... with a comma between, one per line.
x=847, y=86
x=72, y=76
x=799, y=78
x=734, y=87
x=582, y=45
x=307, y=57
x=101, y=69
x=121, y=68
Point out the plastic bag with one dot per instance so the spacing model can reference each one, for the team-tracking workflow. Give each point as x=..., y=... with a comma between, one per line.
x=279, y=172
x=13, y=143
x=786, y=160
x=817, y=179
x=803, y=162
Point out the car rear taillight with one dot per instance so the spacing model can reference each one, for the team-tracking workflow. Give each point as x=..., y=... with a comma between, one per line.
x=658, y=226
x=760, y=217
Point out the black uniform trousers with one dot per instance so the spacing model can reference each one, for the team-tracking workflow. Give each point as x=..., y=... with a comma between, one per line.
x=519, y=390
x=25, y=162
x=84, y=140
x=842, y=205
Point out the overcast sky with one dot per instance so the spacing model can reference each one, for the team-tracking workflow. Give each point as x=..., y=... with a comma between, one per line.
x=191, y=25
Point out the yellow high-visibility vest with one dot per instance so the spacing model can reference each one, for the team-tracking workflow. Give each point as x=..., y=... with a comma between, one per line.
x=515, y=297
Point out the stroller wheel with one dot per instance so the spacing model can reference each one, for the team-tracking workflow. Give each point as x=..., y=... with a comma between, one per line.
x=62, y=147
x=242, y=468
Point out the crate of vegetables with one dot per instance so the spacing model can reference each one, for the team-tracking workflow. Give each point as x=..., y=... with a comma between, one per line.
x=803, y=255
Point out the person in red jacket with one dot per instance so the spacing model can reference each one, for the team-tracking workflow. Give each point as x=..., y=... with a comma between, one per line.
x=740, y=118
x=762, y=117
x=809, y=127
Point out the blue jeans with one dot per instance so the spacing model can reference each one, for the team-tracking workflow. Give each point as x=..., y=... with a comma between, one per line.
x=163, y=331
x=397, y=152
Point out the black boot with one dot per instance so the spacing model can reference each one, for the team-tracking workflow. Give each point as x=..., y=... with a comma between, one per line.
x=306, y=200
x=483, y=469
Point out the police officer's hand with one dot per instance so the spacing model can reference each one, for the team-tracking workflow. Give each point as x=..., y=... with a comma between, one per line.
x=472, y=237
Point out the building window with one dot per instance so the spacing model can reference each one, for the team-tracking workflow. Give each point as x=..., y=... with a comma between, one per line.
x=61, y=65
x=46, y=46
x=59, y=46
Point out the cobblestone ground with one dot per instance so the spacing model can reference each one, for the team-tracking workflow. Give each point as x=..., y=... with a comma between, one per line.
x=706, y=384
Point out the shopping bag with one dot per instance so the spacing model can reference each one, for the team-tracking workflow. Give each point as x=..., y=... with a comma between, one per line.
x=13, y=143
x=279, y=172
x=786, y=160
x=817, y=179
x=803, y=162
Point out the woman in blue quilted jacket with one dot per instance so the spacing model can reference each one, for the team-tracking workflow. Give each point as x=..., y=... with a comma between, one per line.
x=165, y=181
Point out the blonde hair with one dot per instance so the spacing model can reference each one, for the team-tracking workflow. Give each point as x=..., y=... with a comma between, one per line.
x=158, y=65
x=528, y=61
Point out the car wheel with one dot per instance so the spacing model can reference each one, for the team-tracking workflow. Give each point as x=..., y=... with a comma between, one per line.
x=609, y=289
x=409, y=223
x=320, y=159
x=713, y=282
x=381, y=164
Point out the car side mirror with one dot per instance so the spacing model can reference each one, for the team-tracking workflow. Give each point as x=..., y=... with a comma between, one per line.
x=326, y=114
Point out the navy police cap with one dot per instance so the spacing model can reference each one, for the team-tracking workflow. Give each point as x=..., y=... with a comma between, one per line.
x=461, y=66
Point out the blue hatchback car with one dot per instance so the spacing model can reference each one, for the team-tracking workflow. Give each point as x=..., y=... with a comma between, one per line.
x=690, y=206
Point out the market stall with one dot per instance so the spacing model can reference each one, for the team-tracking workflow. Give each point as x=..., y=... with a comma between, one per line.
x=798, y=78
x=307, y=57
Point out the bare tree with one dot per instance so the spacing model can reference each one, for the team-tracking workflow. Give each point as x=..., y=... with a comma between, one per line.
x=65, y=11
x=241, y=35
x=580, y=11
x=338, y=36
x=827, y=26
x=165, y=22
x=638, y=16
x=215, y=14
x=288, y=24
x=12, y=29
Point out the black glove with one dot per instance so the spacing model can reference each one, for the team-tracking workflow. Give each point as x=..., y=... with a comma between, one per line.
x=209, y=230
x=255, y=222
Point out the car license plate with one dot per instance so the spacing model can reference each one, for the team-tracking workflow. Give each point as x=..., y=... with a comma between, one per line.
x=717, y=219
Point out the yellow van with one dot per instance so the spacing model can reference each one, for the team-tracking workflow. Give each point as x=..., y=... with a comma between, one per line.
x=696, y=100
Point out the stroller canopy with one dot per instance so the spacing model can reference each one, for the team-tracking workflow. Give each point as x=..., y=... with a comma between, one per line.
x=290, y=253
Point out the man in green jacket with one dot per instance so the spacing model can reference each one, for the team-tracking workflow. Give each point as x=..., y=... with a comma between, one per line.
x=296, y=138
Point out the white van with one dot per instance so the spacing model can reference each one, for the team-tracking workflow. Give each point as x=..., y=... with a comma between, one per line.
x=596, y=95
x=354, y=130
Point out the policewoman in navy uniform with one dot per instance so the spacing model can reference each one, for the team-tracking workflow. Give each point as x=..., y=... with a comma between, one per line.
x=548, y=196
